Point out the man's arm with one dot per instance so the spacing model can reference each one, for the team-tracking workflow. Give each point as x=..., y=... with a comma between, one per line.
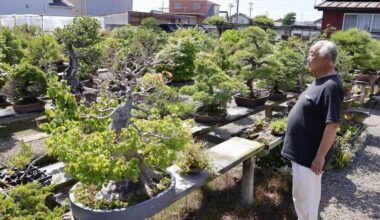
x=326, y=143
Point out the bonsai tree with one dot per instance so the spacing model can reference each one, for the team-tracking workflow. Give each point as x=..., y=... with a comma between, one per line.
x=248, y=61
x=263, y=21
x=285, y=66
x=358, y=46
x=278, y=126
x=43, y=51
x=26, y=83
x=213, y=87
x=117, y=149
x=180, y=53
x=218, y=21
x=289, y=19
x=80, y=40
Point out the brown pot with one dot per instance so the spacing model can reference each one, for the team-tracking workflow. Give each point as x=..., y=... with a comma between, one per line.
x=365, y=77
x=356, y=116
x=247, y=102
x=277, y=97
x=33, y=107
x=347, y=104
x=194, y=170
x=212, y=118
x=347, y=90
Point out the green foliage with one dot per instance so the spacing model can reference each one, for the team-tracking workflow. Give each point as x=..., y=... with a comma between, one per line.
x=26, y=83
x=3, y=80
x=278, y=126
x=179, y=56
x=272, y=34
x=215, y=20
x=193, y=156
x=232, y=36
x=344, y=65
x=213, y=87
x=165, y=99
x=82, y=37
x=286, y=65
x=43, y=51
x=263, y=20
x=289, y=19
x=358, y=46
x=10, y=47
x=94, y=155
x=250, y=60
x=28, y=202
x=23, y=157
x=150, y=23
x=203, y=41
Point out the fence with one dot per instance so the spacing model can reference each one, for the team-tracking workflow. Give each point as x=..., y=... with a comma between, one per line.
x=46, y=23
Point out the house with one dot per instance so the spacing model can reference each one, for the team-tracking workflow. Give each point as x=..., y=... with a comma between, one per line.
x=100, y=7
x=201, y=9
x=364, y=15
x=241, y=19
x=39, y=7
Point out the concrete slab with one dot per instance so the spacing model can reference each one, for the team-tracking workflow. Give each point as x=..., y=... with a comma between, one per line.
x=232, y=152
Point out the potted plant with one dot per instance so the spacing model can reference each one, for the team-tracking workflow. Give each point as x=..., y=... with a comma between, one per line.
x=25, y=85
x=117, y=148
x=249, y=63
x=180, y=52
x=344, y=65
x=278, y=126
x=285, y=67
x=193, y=159
x=213, y=88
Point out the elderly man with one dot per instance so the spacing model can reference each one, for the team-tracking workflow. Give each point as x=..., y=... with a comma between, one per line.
x=311, y=129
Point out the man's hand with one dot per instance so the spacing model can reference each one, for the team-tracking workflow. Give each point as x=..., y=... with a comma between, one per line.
x=317, y=165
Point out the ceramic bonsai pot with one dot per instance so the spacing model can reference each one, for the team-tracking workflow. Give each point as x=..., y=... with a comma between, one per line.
x=248, y=102
x=33, y=107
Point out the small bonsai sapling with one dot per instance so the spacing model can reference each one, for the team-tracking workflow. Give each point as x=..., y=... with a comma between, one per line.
x=193, y=159
x=278, y=126
x=26, y=84
x=213, y=87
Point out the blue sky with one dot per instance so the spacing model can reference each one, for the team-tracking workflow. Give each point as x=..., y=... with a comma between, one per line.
x=273, y=8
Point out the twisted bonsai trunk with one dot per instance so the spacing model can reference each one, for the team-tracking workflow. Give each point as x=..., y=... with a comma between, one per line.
x=70, y=74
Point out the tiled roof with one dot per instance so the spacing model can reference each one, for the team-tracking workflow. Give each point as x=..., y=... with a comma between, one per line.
x=61, y=3
x=349, y=5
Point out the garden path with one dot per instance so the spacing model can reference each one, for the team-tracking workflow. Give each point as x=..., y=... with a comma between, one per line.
x=353, y=192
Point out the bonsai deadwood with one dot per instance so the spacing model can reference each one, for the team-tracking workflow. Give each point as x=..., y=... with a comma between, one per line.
x=70, y=73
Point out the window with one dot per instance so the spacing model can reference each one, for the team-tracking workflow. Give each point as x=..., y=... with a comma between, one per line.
x=197, y=6
x=178, y=5
x=376, y=23
x=367, y=22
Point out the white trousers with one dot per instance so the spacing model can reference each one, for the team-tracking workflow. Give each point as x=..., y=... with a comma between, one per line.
x=306, y=192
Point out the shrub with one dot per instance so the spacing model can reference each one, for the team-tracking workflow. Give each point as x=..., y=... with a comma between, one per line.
x=26, y=83
x=232, y=36
x=10, y=47
x=150, y=23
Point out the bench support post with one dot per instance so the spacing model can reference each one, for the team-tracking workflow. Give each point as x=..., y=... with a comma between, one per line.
x=247, y=187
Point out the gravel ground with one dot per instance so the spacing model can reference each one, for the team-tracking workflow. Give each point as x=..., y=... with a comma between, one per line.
x=353, y=193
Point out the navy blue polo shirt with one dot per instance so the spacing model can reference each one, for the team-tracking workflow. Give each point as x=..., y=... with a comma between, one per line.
x=318, y=105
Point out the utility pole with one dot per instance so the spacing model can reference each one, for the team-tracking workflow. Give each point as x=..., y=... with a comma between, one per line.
x=237, y=11
x=250, y=9
x=230, y=15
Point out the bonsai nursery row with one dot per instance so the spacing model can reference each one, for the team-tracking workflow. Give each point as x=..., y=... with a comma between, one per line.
x=118, y=141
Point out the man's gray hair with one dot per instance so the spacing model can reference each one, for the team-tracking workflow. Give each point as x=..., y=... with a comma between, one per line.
x=327, y=48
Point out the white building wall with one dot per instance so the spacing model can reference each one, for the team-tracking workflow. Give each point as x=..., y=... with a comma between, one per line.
x=102, y=7
x=38, y=7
